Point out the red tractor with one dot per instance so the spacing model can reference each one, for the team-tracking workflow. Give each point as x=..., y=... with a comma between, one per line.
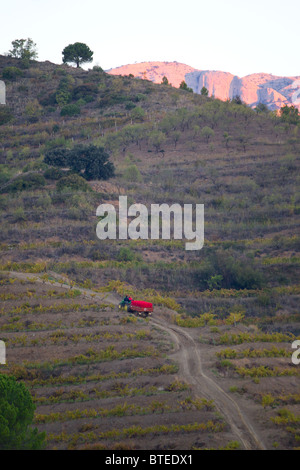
x=139, y=307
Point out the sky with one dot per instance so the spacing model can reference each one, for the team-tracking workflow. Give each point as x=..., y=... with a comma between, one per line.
x=236, y=36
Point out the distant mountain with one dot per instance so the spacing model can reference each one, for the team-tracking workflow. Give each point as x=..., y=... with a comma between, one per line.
x=271, y=90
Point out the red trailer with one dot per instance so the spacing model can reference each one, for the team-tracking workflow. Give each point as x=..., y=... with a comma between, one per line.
x=139, y=307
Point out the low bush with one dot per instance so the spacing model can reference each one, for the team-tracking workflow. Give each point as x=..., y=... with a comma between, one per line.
x=125, y=254
x=54, y=174
x=5, y=114
x=73, y=183
x=70, y=110
x=11, y=73
x=25, y=182
x=132, y=173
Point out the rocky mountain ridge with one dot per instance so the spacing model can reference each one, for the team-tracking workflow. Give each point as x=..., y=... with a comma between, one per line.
x=271, y=90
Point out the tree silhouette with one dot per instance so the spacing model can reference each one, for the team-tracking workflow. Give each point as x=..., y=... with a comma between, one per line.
x=24, y=49
x=90, y=162
x=77, y=53
x=16, y=416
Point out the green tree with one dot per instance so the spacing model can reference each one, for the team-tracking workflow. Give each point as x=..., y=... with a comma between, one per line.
x=157, y=139
x=16, y=416
x=204, y=91
x=57, y=157
x=234, y=317
x=33, y=110
x=207, y=133
x=165, y=81
x=183, y=86
x=215, y=282
x=175, y=135
x=244, y=140
x=90, y=162
x=227, y=139
x=261, y=108
x=138, y=114
x=237, y=100
x=138, y=133
x=24, y=49
x=289, y=114
x=132, y=173
x=77, y=53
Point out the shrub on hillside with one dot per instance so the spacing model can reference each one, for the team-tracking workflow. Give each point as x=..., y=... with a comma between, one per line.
x=132, y=173
x=47, y=99
x=129, y=105
x=25, y=182
x=138, y=114
x=5, y=114
x=86, y=91
x=238, y=273
x=11, y=73
x=5, y=174
x=125, y=254
x=70, y=110
x=290, y=114
x=57, y=157
x=72, y=182
x=53, y=174
x=35, y=166
x=90, y=162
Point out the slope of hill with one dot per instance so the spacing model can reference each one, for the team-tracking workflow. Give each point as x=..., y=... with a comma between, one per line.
x=213, y=368
x=270, y=90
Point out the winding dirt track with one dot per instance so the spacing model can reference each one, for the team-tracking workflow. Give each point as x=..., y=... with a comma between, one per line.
x=188, y=356
x=189, y=359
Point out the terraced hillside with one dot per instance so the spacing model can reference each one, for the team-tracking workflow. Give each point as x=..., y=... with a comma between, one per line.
x=99, y=378
x=212, y=368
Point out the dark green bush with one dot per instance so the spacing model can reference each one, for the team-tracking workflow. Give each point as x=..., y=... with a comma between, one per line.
x=125, y=254
x=54, y=174
x=35, y=166
x=57, y=157
x=5, y=114
x=73, y=183
x=87, y=91
x=237, y=272
x=140, y=97
x=70, y=110
x=16, y=417
x=11, y=73
x=25, y=182
x=90, y=162
x=130, y=105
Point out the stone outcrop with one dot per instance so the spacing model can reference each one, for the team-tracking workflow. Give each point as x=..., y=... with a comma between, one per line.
x=155, y=71
x=268, y=89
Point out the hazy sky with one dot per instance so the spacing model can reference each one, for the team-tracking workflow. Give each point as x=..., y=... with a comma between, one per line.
x=237, y=36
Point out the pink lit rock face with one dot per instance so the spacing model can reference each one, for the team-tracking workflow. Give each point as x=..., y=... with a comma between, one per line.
x=270, y=90
x=155, y=71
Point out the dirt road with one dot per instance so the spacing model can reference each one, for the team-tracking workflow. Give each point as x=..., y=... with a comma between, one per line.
x=188, y=356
